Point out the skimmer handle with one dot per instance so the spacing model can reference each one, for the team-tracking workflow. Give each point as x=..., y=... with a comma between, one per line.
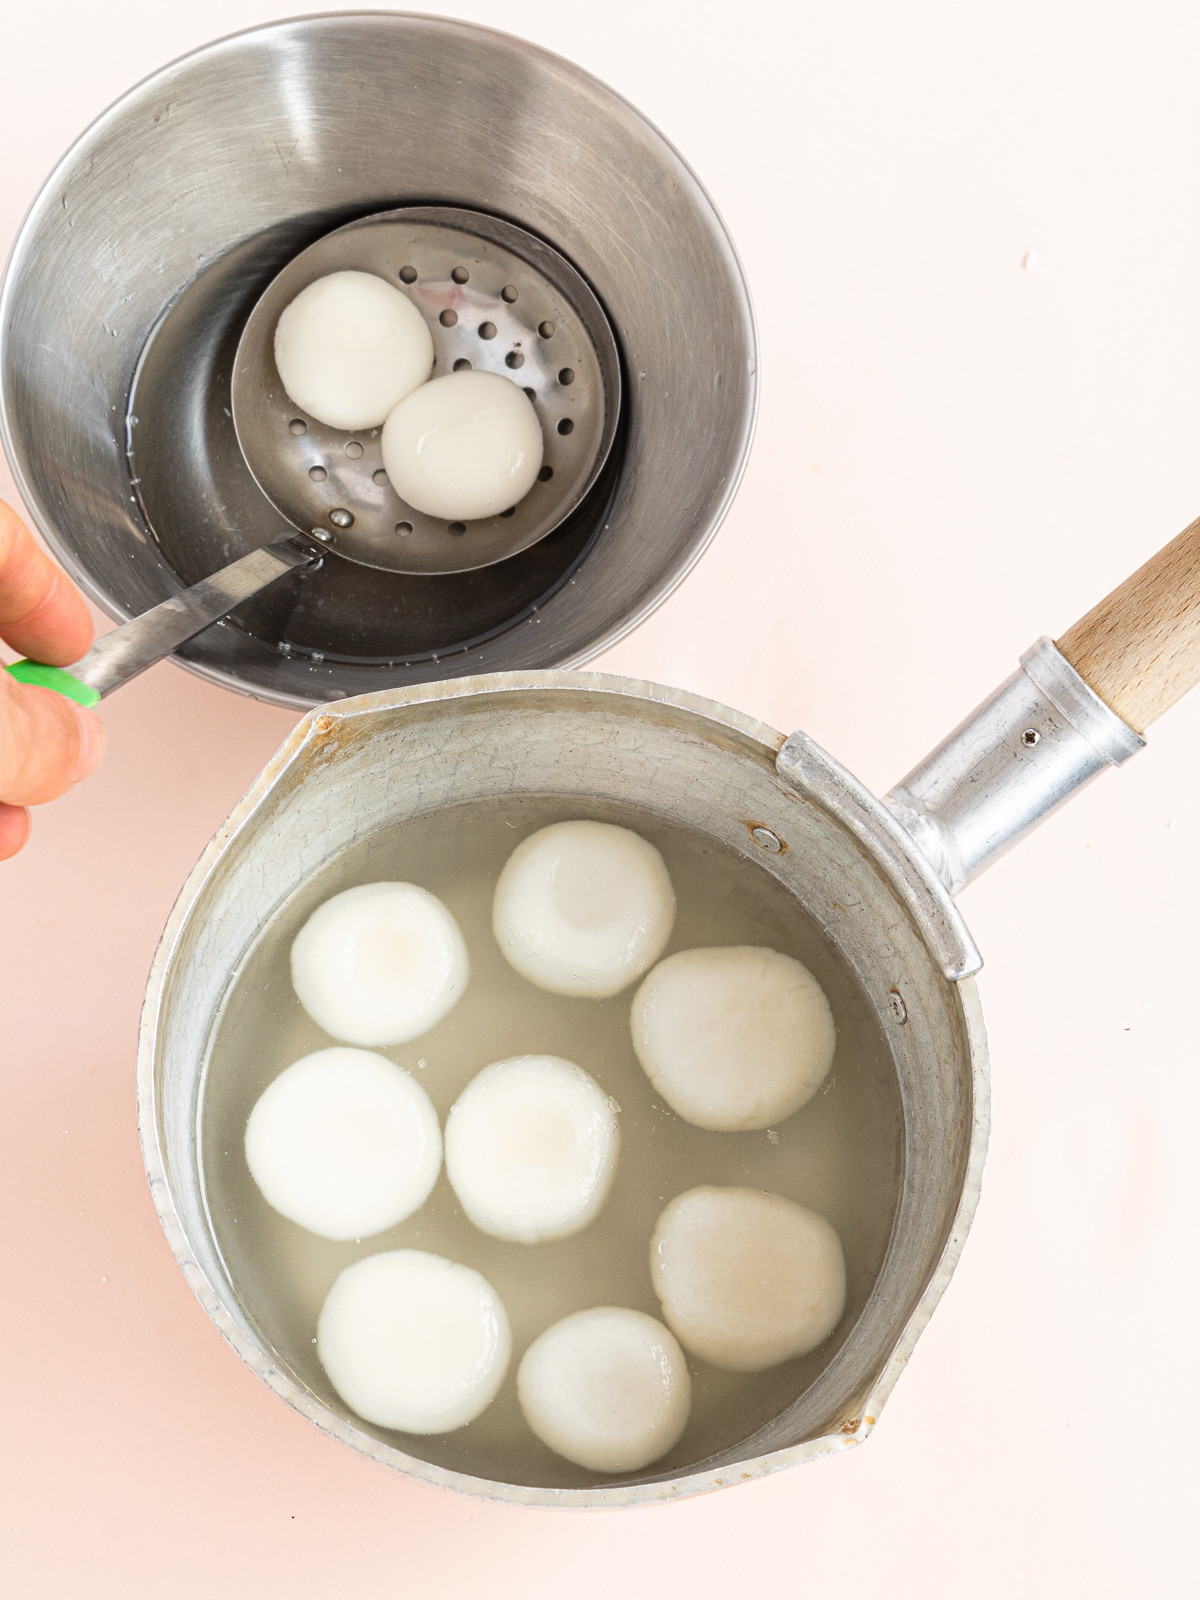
x=130, y=649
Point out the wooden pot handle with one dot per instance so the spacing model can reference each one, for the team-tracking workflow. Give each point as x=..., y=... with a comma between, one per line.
x=1139, y=649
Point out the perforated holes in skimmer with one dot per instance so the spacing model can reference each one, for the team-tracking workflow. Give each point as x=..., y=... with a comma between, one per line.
x=495, y=299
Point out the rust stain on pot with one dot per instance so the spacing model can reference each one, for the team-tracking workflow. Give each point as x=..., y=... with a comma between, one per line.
x=330, y=737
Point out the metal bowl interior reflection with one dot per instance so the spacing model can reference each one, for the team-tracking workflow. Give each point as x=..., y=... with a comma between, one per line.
x=160, y=229
x=351, y=770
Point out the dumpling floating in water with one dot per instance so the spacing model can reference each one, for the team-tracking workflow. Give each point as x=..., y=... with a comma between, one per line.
x=350, y=347
x=465, y=446
x=733, y=1038
x=413, y=1341
x=531, y=1148
x=583, y=908
x=607, y=1388
x=379, y=964
x=747, y=1279
x=345, y=1143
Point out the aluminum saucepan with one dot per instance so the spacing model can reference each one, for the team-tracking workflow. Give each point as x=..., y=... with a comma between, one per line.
x=878, y=876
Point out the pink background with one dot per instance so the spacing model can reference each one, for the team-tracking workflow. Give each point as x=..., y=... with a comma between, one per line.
x=956, y=454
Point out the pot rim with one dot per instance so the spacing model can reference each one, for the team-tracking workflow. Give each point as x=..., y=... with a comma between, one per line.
x=850, y=1431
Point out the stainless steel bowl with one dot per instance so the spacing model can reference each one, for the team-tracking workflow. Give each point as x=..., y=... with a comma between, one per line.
x=176, y=208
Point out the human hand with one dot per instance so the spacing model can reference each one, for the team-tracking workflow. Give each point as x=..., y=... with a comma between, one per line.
x=47, y=742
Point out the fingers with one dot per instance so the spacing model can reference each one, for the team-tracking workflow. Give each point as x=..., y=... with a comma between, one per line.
x=14, y=830
x=47, y=743
x=41, y=612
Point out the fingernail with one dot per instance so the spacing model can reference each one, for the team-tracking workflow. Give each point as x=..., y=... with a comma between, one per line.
x=91, y=741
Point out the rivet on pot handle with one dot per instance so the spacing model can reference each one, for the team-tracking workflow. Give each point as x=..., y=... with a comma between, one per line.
x=1073, y=709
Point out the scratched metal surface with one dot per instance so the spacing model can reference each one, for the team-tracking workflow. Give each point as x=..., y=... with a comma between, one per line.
x=346, y=772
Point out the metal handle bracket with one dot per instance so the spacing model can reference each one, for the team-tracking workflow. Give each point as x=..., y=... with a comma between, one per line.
x=1018, y=757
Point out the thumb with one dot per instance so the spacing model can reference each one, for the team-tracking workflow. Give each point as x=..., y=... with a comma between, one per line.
x=47, y=743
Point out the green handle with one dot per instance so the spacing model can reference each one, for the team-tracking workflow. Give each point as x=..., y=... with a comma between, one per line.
x=56, y=678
